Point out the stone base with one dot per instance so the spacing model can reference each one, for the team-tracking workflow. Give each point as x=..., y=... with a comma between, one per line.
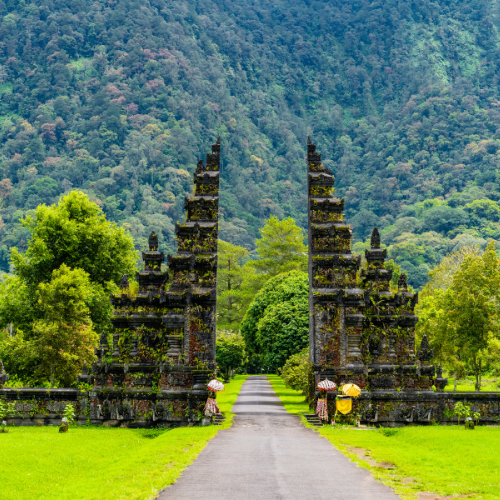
x=108, y=407
x=401, y=408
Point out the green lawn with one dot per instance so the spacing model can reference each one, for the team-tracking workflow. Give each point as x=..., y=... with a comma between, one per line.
x=99, y=463
x=440, y=459
x=467, y=384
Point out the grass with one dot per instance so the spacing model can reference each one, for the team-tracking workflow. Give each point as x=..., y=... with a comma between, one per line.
x=467, y=384
x=446, y=460
x=293, y=401
x=100, y=463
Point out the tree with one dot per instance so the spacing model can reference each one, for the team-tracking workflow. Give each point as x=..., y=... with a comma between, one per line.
x=14, y=305
x=76, y=233
x=233, y=291
x=460, y=309
x=276, y=324
x=297, y=370
x=230, y=351
x=472, y=305
x=280, y=248
x=64, y=339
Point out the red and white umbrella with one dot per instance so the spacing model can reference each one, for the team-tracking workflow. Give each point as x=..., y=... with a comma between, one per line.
x=327, y=385
x=215, y=386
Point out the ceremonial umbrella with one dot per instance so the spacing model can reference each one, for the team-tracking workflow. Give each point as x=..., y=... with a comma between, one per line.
x=327, y=385
x=351, y=390
x=215, y=386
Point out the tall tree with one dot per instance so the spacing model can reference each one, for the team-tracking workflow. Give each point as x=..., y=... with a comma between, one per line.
x=460, y=309
x=63, y=339
x=280, y=247
x=233, y=298
x=472, y=307
x=73, y=232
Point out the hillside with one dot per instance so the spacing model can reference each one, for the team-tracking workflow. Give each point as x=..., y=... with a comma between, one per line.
x=121, y=98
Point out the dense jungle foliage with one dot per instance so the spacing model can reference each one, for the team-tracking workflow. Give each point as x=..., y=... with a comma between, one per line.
x=120, y=98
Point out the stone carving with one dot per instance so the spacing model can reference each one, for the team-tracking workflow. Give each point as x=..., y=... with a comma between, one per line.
x=153, y=242
x=402, y=283
x=425, y=353
x=124, y=284
x=84, y=378
x=375, y=238
x=439, y=381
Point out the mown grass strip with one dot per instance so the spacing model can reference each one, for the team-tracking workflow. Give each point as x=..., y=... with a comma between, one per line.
x=99, y=463
x=446, y=460
x=293, y=401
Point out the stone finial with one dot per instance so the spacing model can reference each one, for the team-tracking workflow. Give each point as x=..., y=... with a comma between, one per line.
x=200, y=167
x=124, y=284
x=84, y=378
x=153, y=241
x=439, y=381
x=4, y=377
x=103, y=341
x=218, y=140
x=375, y=239
x=425, y=353
x=402, y=282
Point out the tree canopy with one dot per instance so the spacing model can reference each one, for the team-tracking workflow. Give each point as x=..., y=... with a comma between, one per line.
x=58, y=297
x=276, y=324
x=460, y=310
x=63, y=339
x=281, y=248
x=74, y=233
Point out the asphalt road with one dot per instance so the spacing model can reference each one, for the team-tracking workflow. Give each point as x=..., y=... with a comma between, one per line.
x=269, y=455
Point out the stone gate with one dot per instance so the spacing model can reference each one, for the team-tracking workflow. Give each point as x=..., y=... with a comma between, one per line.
x=361, y=331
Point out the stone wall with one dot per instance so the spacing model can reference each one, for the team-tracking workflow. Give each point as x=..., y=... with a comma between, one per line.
x=397, y=409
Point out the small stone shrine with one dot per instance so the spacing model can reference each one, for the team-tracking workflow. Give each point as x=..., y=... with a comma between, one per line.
x=360, y=330
x=154, y=368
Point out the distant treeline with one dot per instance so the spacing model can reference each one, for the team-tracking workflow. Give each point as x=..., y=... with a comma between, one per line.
x=121, y=98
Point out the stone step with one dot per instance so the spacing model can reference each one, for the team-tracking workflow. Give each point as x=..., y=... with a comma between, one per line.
x=313, y=419
x=218, y=419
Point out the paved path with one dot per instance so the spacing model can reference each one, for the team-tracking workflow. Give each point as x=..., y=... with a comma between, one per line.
x=269, y=455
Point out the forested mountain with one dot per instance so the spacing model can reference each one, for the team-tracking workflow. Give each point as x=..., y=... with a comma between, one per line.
x=120, y=98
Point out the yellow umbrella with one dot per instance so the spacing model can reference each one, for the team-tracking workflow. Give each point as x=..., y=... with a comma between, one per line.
x=351, y=390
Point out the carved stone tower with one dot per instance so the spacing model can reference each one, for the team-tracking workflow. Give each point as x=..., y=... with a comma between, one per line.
x=360, y=330
x=336, y=301
x=163, y=346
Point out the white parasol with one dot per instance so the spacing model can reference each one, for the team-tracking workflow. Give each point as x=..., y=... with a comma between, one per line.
x=215, y=386
x=327, y=385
